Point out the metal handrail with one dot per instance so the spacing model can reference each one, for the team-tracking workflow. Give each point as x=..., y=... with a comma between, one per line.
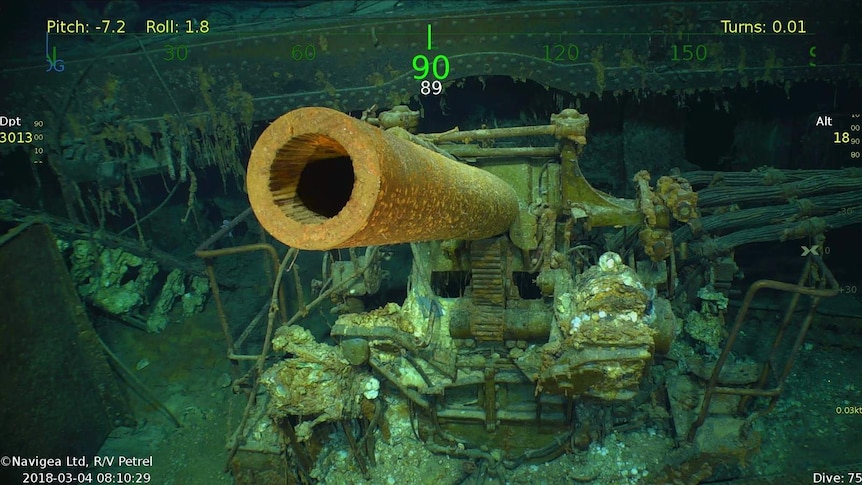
x=759, y=391
x=204, y=252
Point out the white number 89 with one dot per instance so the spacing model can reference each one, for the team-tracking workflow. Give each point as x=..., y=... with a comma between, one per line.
x=429, y=87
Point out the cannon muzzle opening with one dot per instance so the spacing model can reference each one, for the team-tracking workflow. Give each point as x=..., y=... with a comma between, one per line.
x=320, y=179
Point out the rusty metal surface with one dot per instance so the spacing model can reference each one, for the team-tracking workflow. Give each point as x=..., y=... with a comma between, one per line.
x=488, y=286
x=60, y=397
x=599, y=208
x=489, y=279
x=319, y=179
x=361, y=61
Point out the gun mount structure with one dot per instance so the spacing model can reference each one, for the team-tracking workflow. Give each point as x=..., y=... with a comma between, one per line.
x=491, y=364
x=514, y=341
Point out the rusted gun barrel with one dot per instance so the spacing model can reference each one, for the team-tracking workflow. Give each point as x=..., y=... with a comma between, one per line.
x=320, y=179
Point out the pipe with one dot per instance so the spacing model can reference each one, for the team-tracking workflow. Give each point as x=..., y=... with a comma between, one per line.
x=320, y=179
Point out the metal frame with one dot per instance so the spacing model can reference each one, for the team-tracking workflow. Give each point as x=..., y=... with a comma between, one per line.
x=759, y=389
x=208, y=255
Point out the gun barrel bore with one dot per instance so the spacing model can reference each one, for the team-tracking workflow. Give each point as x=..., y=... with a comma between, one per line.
x=320, y=179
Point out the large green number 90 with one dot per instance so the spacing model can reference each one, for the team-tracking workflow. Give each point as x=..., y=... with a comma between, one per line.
x=422, y=66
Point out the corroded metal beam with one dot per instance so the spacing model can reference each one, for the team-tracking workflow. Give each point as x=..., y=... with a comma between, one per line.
x=353, y=63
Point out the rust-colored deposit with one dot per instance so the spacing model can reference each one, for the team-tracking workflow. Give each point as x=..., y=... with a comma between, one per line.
x=319, y=179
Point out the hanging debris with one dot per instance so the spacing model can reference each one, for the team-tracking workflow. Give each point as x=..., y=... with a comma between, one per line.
x=119, y=283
